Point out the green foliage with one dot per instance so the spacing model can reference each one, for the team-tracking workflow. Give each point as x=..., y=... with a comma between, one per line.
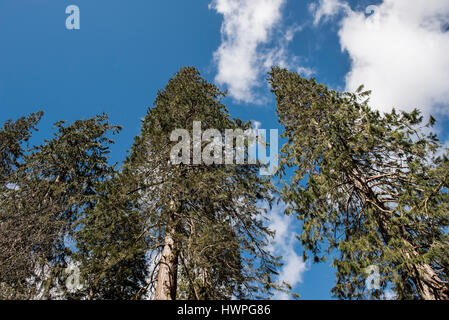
x=42, y=194
x=12, y=137
x=111, y=246
x=13, y=263
x=367, y=186
x=64, y=207
x=210, y=211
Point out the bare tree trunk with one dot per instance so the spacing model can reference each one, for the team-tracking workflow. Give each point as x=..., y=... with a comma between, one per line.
x=168, y=270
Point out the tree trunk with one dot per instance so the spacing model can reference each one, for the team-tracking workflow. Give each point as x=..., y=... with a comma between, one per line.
x=427, y=282
x=168, y=269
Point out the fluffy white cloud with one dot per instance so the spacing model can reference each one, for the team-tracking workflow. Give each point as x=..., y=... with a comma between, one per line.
x=284, y=245
x=400, y=51
x=247, y=49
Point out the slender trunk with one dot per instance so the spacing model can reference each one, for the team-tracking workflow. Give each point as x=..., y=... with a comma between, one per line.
x=167, y=276
x=168, y=269
x=427, y=282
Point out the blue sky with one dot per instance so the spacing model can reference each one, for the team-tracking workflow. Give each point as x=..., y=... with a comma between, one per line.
x=127, y=50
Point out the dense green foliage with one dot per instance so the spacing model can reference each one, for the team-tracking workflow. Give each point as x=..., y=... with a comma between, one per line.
x=73, y=226
x=43, y=192
x=370, y=191
x=211, y=213
x=367, y=187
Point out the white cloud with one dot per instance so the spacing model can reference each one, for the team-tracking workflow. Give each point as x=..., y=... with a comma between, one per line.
x=327, y=9
x=284, y=245
x=247, y=50
x=400, y=51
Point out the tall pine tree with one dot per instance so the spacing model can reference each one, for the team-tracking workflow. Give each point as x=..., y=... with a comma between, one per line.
x=368, y=186
x=43, y=194
x=205, y=226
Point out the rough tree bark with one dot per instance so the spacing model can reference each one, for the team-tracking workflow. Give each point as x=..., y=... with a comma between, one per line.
x=426, y=280
x=168, y=270
x=167, y=276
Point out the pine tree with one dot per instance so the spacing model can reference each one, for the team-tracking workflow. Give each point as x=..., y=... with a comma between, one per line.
x=14, y=264
x=205, y=226
x=368, y=187
x=44, y=195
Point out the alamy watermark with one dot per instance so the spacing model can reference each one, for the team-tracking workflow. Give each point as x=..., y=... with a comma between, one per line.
x=233, y=146
x=370, y=10
x=372, y=281
x=73, y=21
x=73, y=282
